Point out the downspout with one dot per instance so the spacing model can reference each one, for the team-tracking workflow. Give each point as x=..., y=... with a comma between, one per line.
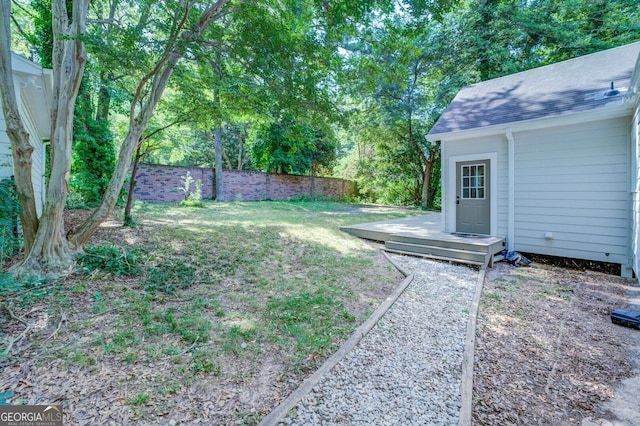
x=511, y=192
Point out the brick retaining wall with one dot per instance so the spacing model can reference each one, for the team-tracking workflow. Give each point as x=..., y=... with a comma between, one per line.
x=162, y=184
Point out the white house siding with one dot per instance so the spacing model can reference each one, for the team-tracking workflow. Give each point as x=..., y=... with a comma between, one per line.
x=635, y=190
x=465, y=147
x=573, y=182
x=6, y=163
x=6, y=168
x=37, y=158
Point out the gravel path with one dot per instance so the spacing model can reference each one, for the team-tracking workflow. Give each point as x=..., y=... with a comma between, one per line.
x=407, y=370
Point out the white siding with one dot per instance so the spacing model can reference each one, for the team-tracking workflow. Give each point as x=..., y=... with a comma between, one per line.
x=6, y=165
x=573, y=182
x=37, y=158
x=635, y=191
x=495, y=144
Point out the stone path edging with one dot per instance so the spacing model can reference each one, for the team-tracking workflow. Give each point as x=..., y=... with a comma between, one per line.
x=281, y=410
x=466, y=385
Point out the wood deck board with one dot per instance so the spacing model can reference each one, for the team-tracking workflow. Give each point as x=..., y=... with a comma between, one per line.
x=426, y=256
x=425, y=230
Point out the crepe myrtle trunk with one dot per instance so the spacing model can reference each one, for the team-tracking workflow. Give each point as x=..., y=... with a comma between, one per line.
x=110, y=197
x=21, y=148
x=128, y=219
x=50, y=251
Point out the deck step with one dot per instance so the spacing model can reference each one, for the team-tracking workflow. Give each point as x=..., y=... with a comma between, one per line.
x=367, y=234
x=428, y=256
x=445, y=252
x=474, y=244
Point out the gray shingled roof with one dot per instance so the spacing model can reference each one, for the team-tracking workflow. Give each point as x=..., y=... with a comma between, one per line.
x=565, y=87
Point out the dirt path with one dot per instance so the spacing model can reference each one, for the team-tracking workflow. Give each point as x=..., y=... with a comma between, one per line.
x=547, y=352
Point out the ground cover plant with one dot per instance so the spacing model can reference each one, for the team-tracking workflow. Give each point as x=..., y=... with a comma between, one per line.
x=213, y=313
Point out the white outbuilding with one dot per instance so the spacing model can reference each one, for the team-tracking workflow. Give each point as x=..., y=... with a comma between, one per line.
x=549, y=159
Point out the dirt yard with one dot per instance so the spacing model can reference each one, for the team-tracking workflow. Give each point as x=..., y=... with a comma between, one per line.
x=547, y=352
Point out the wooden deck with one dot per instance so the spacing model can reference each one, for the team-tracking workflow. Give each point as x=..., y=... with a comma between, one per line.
x=421, y=236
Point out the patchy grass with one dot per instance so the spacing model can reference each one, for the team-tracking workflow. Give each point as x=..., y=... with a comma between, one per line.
x=213, y=313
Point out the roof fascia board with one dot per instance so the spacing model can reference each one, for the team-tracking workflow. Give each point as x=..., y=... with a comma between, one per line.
x=634, y=85
x=22, y=65
x=608, y=112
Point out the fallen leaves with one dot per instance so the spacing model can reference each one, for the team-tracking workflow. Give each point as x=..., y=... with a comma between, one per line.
x=547, y=352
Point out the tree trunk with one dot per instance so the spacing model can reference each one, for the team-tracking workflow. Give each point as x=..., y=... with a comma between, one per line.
x=110, y=197
x=51, y=252
x=426, y=183
x=427, y=192
x=128, y=220
x=219, y=174
x=21, y=149
x=226, y=159
x=153, y=86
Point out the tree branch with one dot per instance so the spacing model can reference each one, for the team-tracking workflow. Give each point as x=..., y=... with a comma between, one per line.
x=169, y=51
x=114, y=22
x=19, y=28
x=25, y=10
x=11, y=314
x=179, y=120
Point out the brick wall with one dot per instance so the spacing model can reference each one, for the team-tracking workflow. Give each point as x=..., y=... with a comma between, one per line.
x=162, y=184
x=241, y=185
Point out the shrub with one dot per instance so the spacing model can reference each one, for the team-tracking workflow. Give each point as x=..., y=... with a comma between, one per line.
x=191, y=198
x=9, y=209
x=111, y=258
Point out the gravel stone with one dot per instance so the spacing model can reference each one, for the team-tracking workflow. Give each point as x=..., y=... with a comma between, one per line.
x=407, y=369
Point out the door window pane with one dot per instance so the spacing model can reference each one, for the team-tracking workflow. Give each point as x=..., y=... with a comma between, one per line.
x=473, y=182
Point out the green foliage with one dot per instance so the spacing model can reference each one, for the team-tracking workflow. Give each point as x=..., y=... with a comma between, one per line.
x=32, y=287
x=201, y=151
x=287, y=146
x=204, y=361
x=192, y=197
x=42, y=37
x=94, y=154
x=140, y=398
x=112, y=259
x=9, y=219
x=309, y=318
x=405, y=71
